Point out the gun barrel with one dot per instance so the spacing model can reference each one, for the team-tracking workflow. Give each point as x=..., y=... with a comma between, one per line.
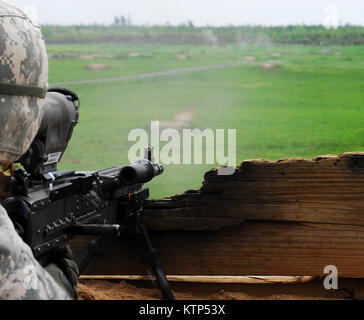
x=96, y=229
x=141, y=171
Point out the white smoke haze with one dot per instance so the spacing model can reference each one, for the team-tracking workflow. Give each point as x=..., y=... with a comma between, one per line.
x=210, y=38
x=332, y=17
x=243, y=40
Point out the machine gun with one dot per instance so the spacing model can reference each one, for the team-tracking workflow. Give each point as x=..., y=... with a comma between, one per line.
x=48, y=207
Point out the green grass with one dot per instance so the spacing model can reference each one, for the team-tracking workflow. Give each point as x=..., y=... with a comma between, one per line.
x=152, y=58
x=313, y=104
x=184, y=34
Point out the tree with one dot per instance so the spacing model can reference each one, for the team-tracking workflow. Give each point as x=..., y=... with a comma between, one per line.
x=122, y=21
x=116, y=21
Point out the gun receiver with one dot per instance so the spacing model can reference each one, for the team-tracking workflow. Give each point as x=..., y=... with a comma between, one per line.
x=48, y=207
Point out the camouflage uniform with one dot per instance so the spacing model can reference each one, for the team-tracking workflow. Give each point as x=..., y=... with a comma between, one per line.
x=23, y=84
x=21, y=276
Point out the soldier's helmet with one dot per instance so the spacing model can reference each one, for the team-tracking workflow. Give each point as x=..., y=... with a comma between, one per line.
x=23, y=81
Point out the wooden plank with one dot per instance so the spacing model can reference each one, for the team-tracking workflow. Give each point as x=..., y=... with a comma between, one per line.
x=252, y=248
x=327, y=189
x=208, y=279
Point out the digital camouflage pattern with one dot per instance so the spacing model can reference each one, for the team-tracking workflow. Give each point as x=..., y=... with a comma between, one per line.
x=21, y=276
x=23, y=61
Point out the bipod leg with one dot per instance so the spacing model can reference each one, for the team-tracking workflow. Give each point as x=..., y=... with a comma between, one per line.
x=152, y=256
x=93, y=248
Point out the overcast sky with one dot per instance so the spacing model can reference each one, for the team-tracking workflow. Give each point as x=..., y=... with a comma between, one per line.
x=200, y=12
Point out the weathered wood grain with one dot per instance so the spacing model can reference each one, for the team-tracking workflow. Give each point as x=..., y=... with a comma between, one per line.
x=327, y=189
x=251, y=248
x=290, y=217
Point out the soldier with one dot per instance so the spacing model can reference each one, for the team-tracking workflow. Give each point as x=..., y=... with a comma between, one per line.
x=23, y=85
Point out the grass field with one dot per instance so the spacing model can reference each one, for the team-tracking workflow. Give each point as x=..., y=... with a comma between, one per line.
x=312, y=104
x=189, y=34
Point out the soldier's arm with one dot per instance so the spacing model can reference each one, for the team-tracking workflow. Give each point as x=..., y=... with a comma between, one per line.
x=21, y=276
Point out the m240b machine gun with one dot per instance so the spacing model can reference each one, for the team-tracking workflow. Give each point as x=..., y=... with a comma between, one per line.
x=48, y=207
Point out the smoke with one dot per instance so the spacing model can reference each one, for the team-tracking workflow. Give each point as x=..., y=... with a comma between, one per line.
x=244, y=39
x=210, y=38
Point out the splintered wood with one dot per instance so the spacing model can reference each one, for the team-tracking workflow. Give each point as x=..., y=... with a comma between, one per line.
x=328, y=189
x=291, y=217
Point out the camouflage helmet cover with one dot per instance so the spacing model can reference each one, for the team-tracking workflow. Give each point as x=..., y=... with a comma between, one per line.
x=23, y=81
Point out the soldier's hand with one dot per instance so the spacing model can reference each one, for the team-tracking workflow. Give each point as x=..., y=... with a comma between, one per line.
x=64, y=270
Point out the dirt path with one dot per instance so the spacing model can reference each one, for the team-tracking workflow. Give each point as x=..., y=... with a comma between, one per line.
x=145, y=75
x=180, y=121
